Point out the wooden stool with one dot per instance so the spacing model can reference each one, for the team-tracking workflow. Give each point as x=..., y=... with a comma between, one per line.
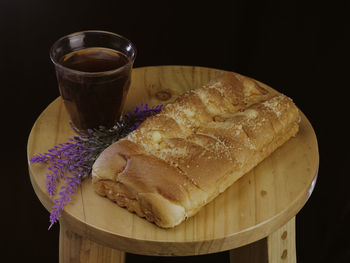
x=254, y=218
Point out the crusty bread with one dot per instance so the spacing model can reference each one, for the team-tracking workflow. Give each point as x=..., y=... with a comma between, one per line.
x=179, y=160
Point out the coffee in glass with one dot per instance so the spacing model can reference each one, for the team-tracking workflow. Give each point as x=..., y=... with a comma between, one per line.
x=93, y=70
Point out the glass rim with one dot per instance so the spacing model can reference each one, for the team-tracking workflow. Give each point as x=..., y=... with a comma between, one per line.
x=57, y=64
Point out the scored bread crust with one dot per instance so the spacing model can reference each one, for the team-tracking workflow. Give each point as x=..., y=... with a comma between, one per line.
x=182, y=158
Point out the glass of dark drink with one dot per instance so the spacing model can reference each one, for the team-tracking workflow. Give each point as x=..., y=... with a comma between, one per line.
x=93, y=70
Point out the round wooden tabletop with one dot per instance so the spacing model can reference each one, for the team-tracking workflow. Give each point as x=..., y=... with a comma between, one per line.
x=256, y=205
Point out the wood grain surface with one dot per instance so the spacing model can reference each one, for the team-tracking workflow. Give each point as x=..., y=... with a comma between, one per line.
x=252, y=208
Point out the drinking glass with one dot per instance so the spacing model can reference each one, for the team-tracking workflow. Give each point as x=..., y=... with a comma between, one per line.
x=93, y=70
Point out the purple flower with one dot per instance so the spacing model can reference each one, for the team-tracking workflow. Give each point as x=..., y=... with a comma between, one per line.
x=68, y=190
x=73, y=160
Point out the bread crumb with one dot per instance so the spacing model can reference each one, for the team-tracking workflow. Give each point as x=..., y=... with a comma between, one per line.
x=274, y=105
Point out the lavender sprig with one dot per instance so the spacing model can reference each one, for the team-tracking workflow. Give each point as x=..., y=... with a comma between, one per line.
x=65, y=196
x=72, y=161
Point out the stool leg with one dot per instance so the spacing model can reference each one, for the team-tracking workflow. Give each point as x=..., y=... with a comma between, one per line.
x=281, y=244
x=277, y=247
x=74, y=248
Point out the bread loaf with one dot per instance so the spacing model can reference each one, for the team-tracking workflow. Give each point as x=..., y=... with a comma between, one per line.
x=179, y=160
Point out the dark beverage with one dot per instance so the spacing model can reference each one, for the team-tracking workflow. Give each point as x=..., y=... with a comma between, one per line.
x=94, y=59
x=94, y=96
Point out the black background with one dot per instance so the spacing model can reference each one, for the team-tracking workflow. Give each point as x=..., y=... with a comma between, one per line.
x=299, y=48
